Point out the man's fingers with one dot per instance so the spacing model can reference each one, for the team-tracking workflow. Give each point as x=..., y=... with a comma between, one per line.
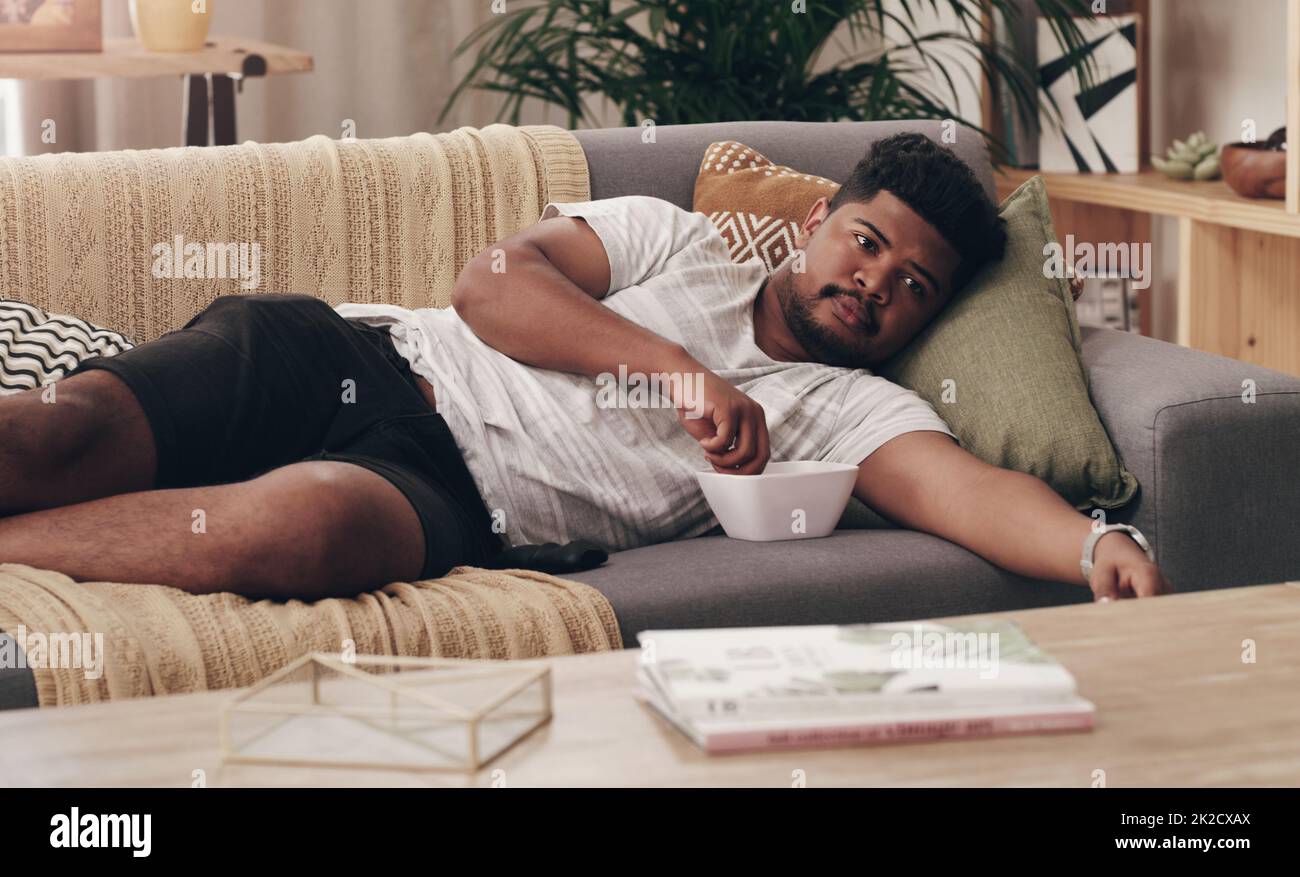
x=742, y=451
x=721, y=439
x=699, y=428
x=737, y=460
x=744, y=446
x=764, y=446
x=1147, y=582
x=752, y=451
x=1123, y=582
x=1105, y=583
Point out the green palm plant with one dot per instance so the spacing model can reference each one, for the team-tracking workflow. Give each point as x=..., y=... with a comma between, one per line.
x=726, y=60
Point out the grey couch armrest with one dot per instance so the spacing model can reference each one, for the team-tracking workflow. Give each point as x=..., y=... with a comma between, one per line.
x=1220, y=476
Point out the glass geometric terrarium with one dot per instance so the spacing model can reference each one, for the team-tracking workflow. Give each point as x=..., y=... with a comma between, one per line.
x=375, y=711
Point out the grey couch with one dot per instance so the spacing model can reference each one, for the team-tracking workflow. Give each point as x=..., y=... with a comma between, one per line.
x=1220, y=495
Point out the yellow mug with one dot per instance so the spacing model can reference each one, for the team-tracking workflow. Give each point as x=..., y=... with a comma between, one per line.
x=171, y=25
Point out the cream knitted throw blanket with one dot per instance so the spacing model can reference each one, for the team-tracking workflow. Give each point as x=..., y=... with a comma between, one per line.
x=391, y=221
x=151, y=639
x=388, y=220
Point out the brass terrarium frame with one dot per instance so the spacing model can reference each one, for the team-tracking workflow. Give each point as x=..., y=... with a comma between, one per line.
x=407, y=717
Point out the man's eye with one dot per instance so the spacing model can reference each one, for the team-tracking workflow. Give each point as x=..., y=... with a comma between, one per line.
x=915, y=287
x=871, y=245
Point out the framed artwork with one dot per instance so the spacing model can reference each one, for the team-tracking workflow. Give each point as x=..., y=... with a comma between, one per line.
x=50, y=26
x=1100, y=133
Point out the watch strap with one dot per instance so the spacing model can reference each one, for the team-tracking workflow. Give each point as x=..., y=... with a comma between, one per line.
x=1090, y=544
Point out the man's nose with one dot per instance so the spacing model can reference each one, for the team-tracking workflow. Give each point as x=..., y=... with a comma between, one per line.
x=872, y=285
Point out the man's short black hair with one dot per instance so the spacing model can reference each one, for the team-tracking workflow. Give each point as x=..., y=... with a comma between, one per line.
x=940, y=188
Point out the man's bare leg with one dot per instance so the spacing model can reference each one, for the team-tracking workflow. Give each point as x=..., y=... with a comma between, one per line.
x=307, y=530
x=91, y=441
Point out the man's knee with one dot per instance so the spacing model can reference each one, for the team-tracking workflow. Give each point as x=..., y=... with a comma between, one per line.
x=324, y=529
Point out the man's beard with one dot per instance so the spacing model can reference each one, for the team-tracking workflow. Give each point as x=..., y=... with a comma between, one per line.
x=822, y=344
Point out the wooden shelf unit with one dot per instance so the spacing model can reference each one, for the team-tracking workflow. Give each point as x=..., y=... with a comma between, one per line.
x=1153, y=192
x=1238, y=258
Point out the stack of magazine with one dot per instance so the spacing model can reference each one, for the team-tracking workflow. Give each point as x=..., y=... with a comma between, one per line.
x=755, y=688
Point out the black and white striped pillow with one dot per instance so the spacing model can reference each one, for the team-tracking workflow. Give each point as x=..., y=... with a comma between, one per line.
x=37, y=348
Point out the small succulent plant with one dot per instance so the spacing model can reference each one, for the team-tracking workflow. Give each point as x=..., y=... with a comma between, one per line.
x=1195, y=159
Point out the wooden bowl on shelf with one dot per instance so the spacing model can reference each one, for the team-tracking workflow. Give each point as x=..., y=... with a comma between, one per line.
x=1254, y=170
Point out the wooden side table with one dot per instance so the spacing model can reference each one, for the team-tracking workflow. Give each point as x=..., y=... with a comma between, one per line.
x=210, y=75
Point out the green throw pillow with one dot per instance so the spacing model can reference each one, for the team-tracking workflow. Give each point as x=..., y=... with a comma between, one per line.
x=1009, y=352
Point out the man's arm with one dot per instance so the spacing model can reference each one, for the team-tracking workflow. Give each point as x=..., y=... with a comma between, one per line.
x=543, y=309
x=925, y=481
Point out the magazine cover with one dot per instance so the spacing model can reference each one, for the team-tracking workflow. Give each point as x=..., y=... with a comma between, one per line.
x=850, y=667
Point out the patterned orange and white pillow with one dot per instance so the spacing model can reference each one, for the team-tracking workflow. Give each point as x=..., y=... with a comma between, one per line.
x=756, y=205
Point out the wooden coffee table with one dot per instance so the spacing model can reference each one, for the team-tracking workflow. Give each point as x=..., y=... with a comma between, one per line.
x=1176, y=706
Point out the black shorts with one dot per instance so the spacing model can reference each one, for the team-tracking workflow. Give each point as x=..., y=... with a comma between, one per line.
x=262, y=380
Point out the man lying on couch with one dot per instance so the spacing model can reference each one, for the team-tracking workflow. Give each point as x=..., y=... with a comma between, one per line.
x=275, y=447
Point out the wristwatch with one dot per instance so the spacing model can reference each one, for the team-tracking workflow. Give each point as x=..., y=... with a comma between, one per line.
x=1091, y=542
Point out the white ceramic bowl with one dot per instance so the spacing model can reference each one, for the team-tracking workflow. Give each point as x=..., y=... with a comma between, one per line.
x=800, y=499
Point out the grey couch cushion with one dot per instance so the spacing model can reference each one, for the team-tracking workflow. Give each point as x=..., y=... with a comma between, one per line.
x=620, y=163
x=851, y=576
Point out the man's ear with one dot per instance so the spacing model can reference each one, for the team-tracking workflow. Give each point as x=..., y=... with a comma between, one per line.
x=816, y=216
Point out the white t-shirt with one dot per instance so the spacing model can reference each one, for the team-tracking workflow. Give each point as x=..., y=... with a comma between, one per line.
x=553, y=463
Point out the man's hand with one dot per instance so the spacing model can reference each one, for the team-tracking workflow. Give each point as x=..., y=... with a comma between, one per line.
x=732, y=428
x=1121, y=569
